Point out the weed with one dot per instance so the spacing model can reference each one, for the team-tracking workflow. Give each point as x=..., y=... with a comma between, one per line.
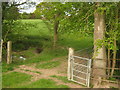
x=48, y=65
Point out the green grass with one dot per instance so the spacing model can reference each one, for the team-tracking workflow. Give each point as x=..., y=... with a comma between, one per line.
x=46, y=55
x=31, y=71
x=62, y=78
x=114, y=88
x=76, y=41
x=48, y=65
x=35, y=36
x=40, y=36
x=8, y=67
x=44, y=83
x=14, y=79
x=39, y=29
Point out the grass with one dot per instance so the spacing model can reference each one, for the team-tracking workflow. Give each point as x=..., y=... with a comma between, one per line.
x=39, y=28
x=76, y=41
x=46, y=55
x=114, y=88
x=31, y=71
x=7, y=67
x=44, y=83
x=48, y=65
x=38, y=36
x=14, y=79
x=62, y=78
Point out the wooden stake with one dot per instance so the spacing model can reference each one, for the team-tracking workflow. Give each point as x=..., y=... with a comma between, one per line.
x=9, y=49
x=1, y=43
x=70, y=55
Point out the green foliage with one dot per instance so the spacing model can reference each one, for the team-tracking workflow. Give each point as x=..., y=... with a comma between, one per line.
x=70, y=15
x=78, y=19
x=44, y=83
x=29, y=16
x=100, y=43
x=48, y=65
x=9, y=11
x=112, y=79
x=10, y=14
x=14, y=79
x=49, y=9
x=17, y=30
x=112, y=25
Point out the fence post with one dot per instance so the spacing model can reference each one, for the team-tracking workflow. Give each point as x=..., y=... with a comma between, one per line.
x=70, y=55
x=9, y=50
x=1, y=43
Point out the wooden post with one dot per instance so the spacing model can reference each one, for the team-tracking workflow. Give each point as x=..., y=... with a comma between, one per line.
x=70, y=56
x=9, y=50
x=1, y=43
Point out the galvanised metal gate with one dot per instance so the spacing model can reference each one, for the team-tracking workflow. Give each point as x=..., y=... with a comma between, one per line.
x=79, y=69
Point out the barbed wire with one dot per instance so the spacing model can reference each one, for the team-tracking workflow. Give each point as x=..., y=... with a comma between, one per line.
x=84, y=49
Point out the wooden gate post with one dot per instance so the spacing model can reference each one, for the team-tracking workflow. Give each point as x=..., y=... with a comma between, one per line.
x=9, y=50
x=70, y=55
x=1, y=43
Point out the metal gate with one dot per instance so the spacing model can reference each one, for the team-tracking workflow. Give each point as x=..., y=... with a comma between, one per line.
x=79, y=69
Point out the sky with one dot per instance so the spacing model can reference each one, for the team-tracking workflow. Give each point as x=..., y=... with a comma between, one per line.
x=29, y=9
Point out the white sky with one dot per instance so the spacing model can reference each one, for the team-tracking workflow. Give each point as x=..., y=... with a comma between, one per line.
x=29, y=9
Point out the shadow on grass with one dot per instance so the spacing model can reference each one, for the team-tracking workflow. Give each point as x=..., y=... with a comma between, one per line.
x=31, y=41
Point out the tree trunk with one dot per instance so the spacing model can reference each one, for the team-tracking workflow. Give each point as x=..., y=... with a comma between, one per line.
x=99, y=61
x=115, y=45
x=109, y=62
x=1, y=41
x=1, y=45
x=114, y=59
x=56, y=24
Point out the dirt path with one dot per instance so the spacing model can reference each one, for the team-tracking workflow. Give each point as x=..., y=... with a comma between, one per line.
x=46, y=73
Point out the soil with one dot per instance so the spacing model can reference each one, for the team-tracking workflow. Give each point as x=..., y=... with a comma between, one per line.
x=60, y=70
x=46, y=73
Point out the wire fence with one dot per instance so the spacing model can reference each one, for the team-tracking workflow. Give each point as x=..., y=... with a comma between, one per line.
x=115, y=78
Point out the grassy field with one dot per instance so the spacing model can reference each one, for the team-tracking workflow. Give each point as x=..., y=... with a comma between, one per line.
x=39, y=37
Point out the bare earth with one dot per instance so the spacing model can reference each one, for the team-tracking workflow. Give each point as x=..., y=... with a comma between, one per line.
x=46, y=73
x=60, y=70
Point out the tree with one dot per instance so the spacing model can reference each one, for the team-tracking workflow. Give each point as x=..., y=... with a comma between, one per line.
x=112, y=35
x=80, y=16
x=10, y=14
x=11, y=26
x=54, y=13
x=99, y=61
x=105, y=36
x=101, y=27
